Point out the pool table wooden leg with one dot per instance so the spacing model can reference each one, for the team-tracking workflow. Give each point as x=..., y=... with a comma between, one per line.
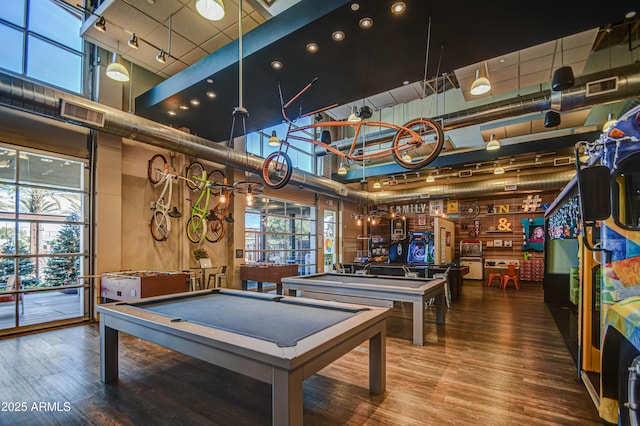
x=286, y=397
x=108, y=353
x=418, y=323
x=378, y=362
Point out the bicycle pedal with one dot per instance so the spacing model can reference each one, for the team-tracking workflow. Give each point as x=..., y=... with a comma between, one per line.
x=174, y=212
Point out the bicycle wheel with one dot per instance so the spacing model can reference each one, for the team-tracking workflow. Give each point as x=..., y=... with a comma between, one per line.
x=196, y=169
x=215, y=230
x=414, y=154
x=157, y=165
x=195, y=228
x=216, y=176
x=160, y=226
x=277, y=170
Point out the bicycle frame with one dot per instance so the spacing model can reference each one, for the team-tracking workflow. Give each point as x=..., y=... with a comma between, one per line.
x=410, y=145
x=201, y=225
x=160, y=224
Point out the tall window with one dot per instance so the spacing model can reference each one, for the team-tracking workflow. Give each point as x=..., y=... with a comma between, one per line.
x=43, y=234
x=281, y=232
x=301, y=153
x=41, y=40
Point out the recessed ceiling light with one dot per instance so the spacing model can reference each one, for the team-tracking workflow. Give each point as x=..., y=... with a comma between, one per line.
x=312, y=48
x=276, y=65
x=366, y=23
x=171, y=113
x=183, y=107
x=194, y=102
x=355, y=6
x=630, y=15
x=209, y=80
x=211, y=95
x=398, y=8
x=337, y=35
x=502, y=60
x=405, y=82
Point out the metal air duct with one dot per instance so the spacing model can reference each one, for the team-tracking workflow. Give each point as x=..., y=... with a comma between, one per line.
x=543, y=181
x=42, y=100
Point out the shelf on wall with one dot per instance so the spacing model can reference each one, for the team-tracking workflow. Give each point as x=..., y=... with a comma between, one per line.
x=499, y=232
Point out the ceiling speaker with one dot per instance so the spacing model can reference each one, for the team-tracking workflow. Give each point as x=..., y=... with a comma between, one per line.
x=551, y=119
x=562, y=79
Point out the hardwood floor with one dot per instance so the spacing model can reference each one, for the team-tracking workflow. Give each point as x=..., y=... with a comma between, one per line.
x=499, y=360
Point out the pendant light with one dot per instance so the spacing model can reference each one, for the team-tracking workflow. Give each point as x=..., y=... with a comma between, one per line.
x=115, y=70
x=481, y=84
x=212, y=10
x=353, y=118
x=493, y=144
x=273, y=139
x=342, y=170
x=563, y=76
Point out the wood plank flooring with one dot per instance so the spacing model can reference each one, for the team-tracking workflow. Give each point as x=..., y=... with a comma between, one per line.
x=498, y=360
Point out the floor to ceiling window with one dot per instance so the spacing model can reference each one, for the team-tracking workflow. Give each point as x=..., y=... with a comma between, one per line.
x=43, y=237
x=301, y=153
x=281, y=232
x=41, y=40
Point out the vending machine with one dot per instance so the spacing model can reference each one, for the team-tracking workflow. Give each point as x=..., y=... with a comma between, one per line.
x=471, y=256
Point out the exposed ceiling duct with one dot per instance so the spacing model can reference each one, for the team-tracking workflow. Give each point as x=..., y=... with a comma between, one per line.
x=39, y=99
x=45, y=101
x=539, y=182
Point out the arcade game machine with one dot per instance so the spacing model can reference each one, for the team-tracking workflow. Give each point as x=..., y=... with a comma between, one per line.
x=421, y=248
x=398, y=252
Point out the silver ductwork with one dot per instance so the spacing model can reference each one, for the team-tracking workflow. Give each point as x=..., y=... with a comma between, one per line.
x=575, y=97
x=42, y=100
x=540, y=182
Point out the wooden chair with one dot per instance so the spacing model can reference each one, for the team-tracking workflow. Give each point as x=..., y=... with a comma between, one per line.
x=511, y=275
x=217, y=278
x=11, y=286
x=495, y=273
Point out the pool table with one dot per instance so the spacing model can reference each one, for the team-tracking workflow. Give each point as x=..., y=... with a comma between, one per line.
x=237, y=330
x=374, y=290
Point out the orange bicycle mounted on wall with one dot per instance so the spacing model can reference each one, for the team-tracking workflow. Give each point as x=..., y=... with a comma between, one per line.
x=413, y=145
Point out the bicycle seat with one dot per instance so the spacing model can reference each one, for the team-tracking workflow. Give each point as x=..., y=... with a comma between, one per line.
x=211, y=215
x=174, y=212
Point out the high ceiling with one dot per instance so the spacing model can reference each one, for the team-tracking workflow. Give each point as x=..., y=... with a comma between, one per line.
x=518, y=48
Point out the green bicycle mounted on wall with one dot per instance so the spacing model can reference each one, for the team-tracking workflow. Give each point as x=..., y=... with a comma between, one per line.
x=204, y=223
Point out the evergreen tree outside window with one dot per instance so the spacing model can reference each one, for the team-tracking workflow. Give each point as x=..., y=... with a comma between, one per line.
x=64, y=270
